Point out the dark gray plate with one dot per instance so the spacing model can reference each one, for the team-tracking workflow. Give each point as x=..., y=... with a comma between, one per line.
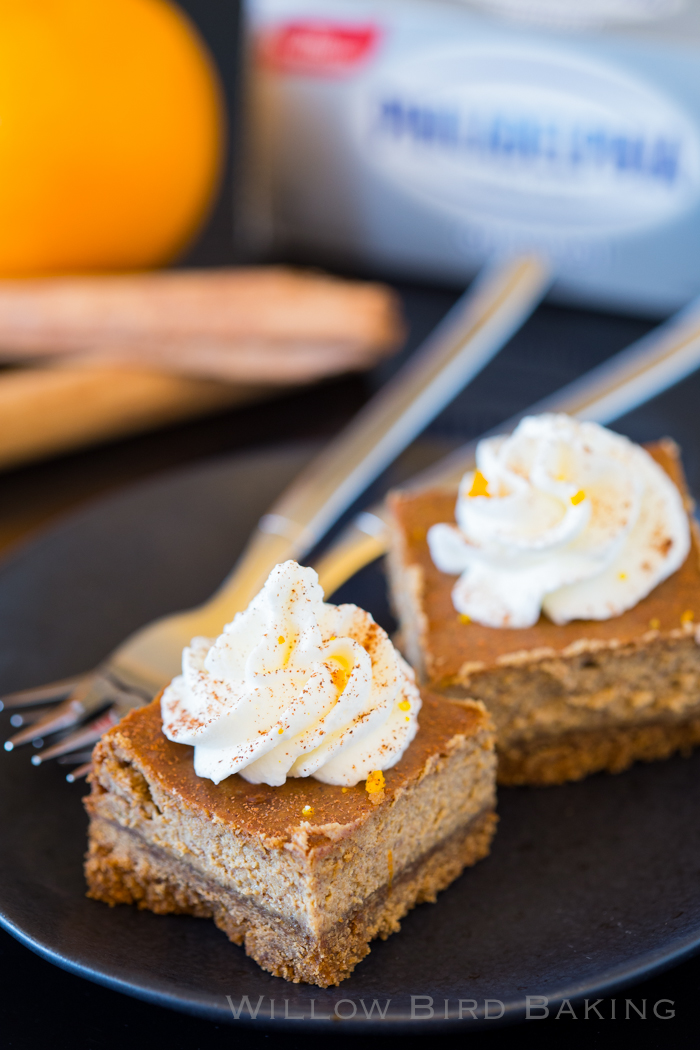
x=589, y=886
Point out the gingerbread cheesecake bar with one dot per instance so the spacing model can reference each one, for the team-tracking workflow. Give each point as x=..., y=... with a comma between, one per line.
x=303, y=875
x=568, y=698
x=294, y=785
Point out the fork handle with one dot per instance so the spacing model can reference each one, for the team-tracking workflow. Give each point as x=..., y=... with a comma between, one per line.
x=472, y=333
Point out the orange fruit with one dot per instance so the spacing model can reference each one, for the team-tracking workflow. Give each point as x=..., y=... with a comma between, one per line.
x=111, y=129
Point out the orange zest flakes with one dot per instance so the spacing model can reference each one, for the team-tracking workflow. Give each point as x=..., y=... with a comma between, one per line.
x=687, y=617
x=344, y=790
x=280, y=731
x=480, y=486
x=340, y=678
x=464, y=618
x=622, y=575
x=578, y=497
x=307, y=811
x=375, y=783
x=655, y=623
x=281, y=639
x=405, y=705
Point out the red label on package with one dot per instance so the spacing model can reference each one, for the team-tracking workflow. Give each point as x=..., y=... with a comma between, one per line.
x=318, y=48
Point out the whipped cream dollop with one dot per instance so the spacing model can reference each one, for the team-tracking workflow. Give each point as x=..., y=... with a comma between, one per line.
x=293, y=687
x=560, y=516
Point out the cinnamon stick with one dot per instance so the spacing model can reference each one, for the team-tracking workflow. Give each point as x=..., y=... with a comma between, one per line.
x=247, y=325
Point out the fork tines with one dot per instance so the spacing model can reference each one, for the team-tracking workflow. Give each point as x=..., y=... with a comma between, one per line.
x=79, y=773
x=43, y=694
x=93, y=693
x=81, y=738
x=67, y=714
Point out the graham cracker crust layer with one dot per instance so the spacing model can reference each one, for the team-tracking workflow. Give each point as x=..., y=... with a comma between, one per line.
x=555, y=760
x=122, y=868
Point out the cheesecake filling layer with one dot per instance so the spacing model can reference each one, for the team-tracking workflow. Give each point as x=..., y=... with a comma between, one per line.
x=562, y=517
x=293, y=687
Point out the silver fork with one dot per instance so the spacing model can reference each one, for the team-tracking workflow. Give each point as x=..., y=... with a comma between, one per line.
x=475, y=329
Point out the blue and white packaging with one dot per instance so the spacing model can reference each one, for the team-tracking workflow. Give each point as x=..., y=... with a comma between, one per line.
x=420, y=137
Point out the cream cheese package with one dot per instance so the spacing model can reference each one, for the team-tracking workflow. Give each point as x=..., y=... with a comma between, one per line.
x=421, y=137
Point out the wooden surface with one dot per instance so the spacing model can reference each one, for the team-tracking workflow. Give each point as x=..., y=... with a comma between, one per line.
x=31, y=497
x=48, y=411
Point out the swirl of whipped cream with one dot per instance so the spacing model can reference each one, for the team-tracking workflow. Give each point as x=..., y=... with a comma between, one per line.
x=293, y=687
x=560, y=516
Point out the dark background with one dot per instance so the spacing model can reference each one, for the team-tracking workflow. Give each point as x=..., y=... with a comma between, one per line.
x=42, y=1006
